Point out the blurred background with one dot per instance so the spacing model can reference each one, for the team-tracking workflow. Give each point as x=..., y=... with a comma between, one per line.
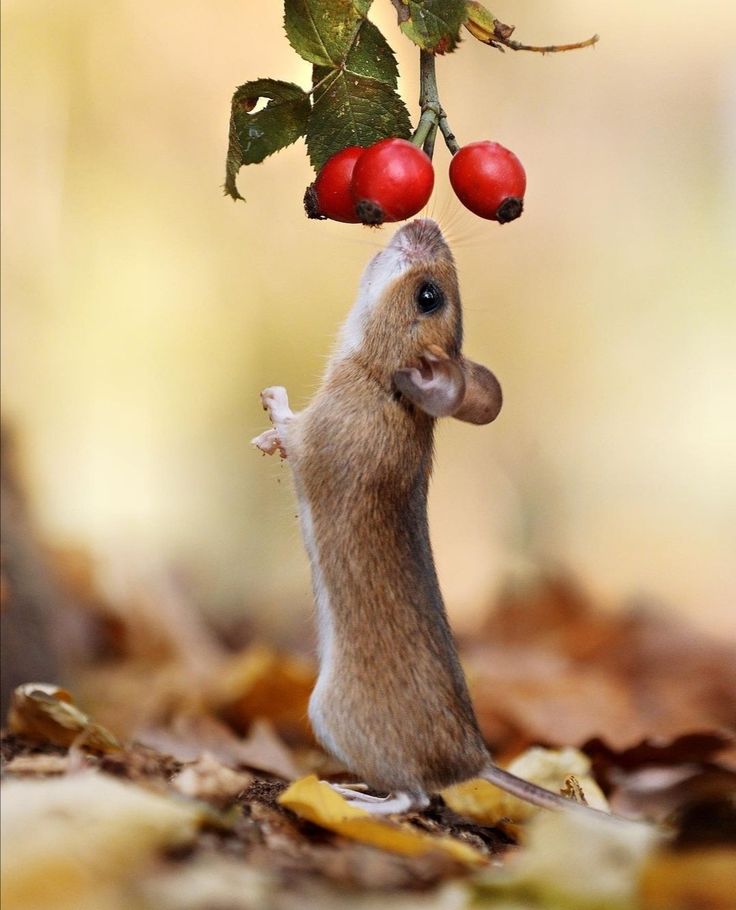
x=143, y=311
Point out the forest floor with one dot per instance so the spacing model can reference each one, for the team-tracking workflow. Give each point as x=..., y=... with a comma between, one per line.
x=177, y=769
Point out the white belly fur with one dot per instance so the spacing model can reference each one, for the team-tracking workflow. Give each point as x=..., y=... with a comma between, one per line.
x=325, y=633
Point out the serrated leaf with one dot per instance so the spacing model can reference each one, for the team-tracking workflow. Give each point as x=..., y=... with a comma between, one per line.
x=434, y=25
x=322, y=31
x=352, y=110
x=255, y=136
x=371, y=56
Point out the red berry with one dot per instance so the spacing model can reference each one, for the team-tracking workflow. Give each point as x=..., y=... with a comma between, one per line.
x=392, y=180
x=489, y=180
x=329, y=196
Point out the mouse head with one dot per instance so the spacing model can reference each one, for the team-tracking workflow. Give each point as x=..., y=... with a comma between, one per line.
x=406, y=328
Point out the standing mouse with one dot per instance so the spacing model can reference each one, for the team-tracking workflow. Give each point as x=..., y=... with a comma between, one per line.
x=391, y=701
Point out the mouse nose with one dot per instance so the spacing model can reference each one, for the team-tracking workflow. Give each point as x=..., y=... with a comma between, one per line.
x=421, y=239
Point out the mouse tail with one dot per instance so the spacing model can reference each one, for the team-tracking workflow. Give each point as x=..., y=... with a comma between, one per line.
x=531, y=793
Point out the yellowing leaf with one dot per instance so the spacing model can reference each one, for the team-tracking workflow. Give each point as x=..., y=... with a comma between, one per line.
x=705, y=877
x=46, y=712
x=577, y=862
x=74, y=843
x=550, y=768
x=476, y=799
x=317, y=802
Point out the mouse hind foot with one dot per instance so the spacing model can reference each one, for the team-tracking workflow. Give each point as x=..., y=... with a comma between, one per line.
x=396, y=803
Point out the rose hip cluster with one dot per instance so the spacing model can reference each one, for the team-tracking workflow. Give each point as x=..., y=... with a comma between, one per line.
x=390, y=181
x=393, y=179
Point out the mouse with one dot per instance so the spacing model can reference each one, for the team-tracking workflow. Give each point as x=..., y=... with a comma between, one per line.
x=391, y=702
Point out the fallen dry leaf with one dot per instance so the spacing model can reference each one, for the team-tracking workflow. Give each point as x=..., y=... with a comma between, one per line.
x=549, y=768
x=259, y=683
x=207, y=779
x=47, y=713
x=40, y=765
x=189, y=736
x=209, y=883
x=264, y=750
x=690, y=880
x=70, y=842
x=317, y=802
x=549, y=667
x=574, y=862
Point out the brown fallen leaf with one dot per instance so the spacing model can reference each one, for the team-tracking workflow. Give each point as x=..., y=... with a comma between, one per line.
x=658, y=792
x=47, y=713
x=317, y=802
x=690, y=880
x=189, y=736
x=695, y=747
x=260, y=683
x=550, y=667
x=264, y=750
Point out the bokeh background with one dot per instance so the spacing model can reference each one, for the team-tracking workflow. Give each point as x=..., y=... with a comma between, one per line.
x=143, y=311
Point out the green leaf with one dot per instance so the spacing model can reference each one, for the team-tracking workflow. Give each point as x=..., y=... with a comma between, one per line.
x=351, y=109
x=433, y=24
x=322, y=31
x=255, y=136
x=371, y=56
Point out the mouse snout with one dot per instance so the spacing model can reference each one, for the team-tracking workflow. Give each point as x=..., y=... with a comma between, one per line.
x=421, y=240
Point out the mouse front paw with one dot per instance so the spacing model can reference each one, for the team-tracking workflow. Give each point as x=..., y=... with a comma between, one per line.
x=276, y=402
x=269, y=442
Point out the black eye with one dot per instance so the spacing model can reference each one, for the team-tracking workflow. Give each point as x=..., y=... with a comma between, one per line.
x=429, y=297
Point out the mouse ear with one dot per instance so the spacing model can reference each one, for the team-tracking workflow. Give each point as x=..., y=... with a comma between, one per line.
x=436, y=386
x=483, y=397
x=446, y=387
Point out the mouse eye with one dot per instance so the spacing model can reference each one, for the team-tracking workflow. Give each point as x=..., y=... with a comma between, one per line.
x=429, y=297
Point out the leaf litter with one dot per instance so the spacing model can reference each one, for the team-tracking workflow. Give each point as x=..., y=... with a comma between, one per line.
x=182, y=774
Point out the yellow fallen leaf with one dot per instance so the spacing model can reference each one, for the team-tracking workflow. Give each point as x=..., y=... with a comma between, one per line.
x=78, y=842
x=317, y=802
x=550, y=768
x=576, y=862
x=46, y=712
x=682, y=879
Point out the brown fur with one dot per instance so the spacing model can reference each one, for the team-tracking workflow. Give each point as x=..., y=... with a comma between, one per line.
x=391, y=700
x=396, y=708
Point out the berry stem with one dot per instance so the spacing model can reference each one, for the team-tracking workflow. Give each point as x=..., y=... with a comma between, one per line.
x=428, y=92
x=432, y=116
x=425, y=128
x=429, y=142
x=450, y=140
